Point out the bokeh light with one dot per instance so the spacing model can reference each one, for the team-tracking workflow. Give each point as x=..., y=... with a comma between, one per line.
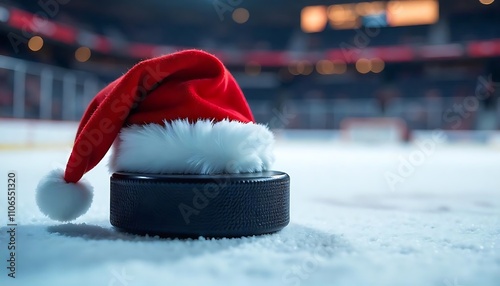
x=325, y=67
x=35, y=43
x=241, y=15
x=313, y=19
x=82, y=54
x=339, y=67
x=363, y=65
x=377, y=65
x=486, y=2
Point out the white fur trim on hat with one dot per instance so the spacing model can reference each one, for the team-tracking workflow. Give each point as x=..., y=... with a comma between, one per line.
x=60, y=200
x=203, y=147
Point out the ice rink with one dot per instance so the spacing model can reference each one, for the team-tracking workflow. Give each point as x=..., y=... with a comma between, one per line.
x=360, y=215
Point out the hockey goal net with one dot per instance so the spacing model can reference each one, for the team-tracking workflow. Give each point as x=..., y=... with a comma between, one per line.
x=374, y=130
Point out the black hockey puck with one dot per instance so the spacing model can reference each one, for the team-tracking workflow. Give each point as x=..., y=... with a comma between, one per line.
x=226, y=205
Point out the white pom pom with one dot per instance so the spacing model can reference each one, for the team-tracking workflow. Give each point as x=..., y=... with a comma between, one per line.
x=60, y=200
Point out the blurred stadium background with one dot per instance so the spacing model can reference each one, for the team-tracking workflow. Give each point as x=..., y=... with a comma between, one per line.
x=332, y=65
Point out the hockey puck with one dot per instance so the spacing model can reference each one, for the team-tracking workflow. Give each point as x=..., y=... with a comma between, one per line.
x=225, y=205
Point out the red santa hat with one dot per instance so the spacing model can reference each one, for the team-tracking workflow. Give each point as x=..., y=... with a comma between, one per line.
x=179, y=113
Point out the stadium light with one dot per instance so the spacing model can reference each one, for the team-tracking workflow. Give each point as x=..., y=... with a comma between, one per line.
x=486, y=2
x=325, y=67
x=241, y=15
x=35, y=43
x=303, y=67
x=363, y=65
x=306, y=67
x=377, y=65
x=343, y=16
x=412, y=12
x=313, y=19
x=82, y=54
x=339, y=66
x=292, y=69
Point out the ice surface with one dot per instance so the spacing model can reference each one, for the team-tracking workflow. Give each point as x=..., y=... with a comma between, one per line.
x=439, y=226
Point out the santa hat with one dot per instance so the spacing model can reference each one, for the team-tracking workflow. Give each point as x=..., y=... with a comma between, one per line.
x=179, y=113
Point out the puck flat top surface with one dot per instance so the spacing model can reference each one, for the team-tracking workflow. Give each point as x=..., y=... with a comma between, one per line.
x=267, y=175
